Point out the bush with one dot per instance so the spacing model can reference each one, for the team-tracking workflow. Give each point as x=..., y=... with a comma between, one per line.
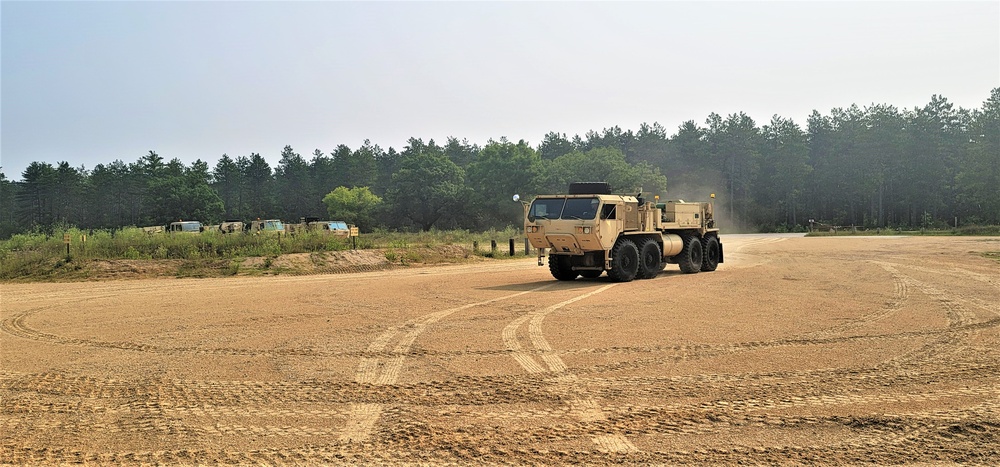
x=22, y=264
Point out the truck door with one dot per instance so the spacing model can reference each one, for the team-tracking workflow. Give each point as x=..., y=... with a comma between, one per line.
x=611, y=223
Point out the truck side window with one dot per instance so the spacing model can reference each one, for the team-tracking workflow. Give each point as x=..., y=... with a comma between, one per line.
x=609, y=211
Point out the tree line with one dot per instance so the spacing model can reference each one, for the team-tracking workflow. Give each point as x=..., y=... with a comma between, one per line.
x=876, y=166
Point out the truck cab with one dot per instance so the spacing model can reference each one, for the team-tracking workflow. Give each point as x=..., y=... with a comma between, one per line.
x=184, y=226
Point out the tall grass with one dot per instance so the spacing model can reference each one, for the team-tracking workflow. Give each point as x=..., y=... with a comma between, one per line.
x=24, y=253
x=433, y=237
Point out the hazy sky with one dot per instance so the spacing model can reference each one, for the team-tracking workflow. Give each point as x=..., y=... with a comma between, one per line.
x=91, y=82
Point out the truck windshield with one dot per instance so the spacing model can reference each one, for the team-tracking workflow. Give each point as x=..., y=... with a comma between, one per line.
x=563, y=208
x=580, y=208
x=546, y=208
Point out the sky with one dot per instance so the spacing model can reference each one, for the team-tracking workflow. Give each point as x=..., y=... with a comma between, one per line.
x=93, y=82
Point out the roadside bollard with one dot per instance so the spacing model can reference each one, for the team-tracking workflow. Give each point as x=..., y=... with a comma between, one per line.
x=512, y=247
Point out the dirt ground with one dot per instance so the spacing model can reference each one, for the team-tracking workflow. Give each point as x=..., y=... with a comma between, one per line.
x=796, y=350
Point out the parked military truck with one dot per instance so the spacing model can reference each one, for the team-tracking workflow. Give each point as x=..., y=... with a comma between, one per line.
x=231, y=226
x=184, y=226
x=315, y=224
x=590, y=230
x=264, y=226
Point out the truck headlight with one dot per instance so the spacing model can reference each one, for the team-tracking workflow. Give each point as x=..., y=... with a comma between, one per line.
x=583, y=230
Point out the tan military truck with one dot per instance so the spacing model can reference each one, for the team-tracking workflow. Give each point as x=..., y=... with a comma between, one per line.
x=265, y=226
x=590, y=230
x=315, y=224
x=185, y=226
x=231, y=226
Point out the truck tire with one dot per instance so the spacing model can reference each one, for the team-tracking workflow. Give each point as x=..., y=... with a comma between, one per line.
x=561, y=268
x=710, y=258
x=624, y=261
x=689, y=258
x=650, y=259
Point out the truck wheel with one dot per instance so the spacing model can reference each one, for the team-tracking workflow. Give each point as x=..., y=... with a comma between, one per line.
x=591, y=274
x=689, y=258
x=710, y=259
x=561, y=268
x=650, y=259
x=624, y=261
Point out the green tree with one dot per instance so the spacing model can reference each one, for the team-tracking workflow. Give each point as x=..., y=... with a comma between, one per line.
x=35, y=198
x=358, y=167
x=502, y=170
x=462, y=153
x=613, y=137
x=555, y=145
x=978, y=178
x=783, y=172
x=183, y=193
x=201, y=201
x=362, y=167
x=323, y=173
x=258, y=187
x=688, y=164
x=387, y=163
x=602, y=164
x=735, y=143
x=8, y=222
x=882, y=160
x=108, y=188
x=293, y=184
x=353, y=205
x=68, y=194
x=226, y=181
x=428, y=187
x=340, y=159
x=650, y=145
x=936, y=137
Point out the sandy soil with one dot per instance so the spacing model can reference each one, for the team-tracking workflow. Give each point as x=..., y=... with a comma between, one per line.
x=796, y=350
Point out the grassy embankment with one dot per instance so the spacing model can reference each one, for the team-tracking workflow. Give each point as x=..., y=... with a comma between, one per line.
x=38, y=256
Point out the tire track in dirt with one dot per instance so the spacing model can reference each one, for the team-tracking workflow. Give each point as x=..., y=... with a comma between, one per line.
x=222, y=396
x=679, y=419
x=901, y=292
x=963, y=273
x=582, y=406
x=207, y=392
x=757, y=242
x=385, y=371
x=959, y=320
x=857, y=415
x=744, y=257
x=695, y=352
x=703, y=418
x=992, y=307
x=964, y=443
x=378, y=360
